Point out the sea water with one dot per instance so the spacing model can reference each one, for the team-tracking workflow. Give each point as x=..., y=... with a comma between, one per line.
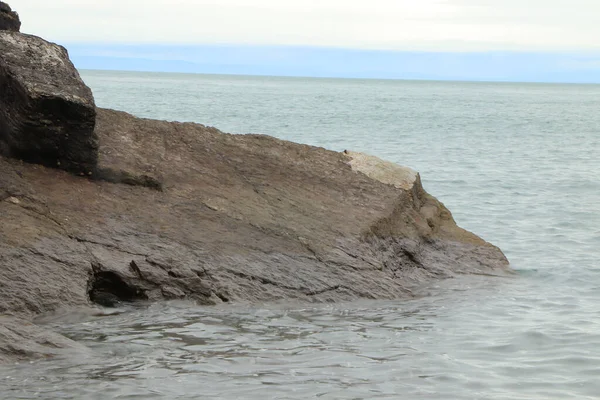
x=518, y=164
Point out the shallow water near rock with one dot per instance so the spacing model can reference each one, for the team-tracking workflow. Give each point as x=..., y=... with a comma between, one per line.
x=516, y=163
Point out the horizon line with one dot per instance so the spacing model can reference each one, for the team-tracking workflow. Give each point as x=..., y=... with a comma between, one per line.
x=326, y=62
x=448, y=80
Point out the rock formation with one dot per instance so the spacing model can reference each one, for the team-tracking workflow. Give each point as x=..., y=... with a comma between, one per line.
x=9, y=20
x=47, y=113
x=180, y=210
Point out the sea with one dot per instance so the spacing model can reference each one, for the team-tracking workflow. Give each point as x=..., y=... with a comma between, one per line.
x=516, y=163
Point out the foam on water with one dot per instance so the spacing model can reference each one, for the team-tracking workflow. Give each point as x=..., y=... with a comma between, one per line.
x=516, y=163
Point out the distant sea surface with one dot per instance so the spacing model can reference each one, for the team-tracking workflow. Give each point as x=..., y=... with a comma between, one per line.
x=518, y=164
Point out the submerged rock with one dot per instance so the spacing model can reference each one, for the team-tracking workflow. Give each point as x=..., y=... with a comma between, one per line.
x=22, y=340
x=9, y=20
x=47, y=113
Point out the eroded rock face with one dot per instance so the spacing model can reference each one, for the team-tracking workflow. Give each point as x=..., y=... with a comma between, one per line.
x=181, y=210
x=47, y=113
x=9, y=20
x=239, y=218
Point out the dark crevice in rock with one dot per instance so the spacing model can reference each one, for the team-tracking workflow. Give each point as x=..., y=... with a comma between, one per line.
x=134, y=267
x=108, y=289
x=223, y=297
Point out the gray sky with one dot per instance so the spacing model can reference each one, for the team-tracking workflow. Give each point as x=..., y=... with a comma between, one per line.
x=437, y=25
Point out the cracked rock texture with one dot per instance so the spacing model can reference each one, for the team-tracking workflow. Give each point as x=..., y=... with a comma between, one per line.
x=239, y=218
x=181, y=210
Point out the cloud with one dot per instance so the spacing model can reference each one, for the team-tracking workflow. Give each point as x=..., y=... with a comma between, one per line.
x=425, y=25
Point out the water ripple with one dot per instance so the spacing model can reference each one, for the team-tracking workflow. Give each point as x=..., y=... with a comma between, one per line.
x=517, y=164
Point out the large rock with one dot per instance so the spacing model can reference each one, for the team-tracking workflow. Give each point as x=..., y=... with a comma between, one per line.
x=9, y=20
x=238, y=218
x=47, y=113
x=181, y=210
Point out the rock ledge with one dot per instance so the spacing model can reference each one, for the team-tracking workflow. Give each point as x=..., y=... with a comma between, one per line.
x=184, y=211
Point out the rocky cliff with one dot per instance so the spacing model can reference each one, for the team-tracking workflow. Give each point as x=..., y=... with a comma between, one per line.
x=168, y=210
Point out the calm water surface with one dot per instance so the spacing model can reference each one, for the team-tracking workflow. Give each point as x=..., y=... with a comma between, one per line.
x=519, y=164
